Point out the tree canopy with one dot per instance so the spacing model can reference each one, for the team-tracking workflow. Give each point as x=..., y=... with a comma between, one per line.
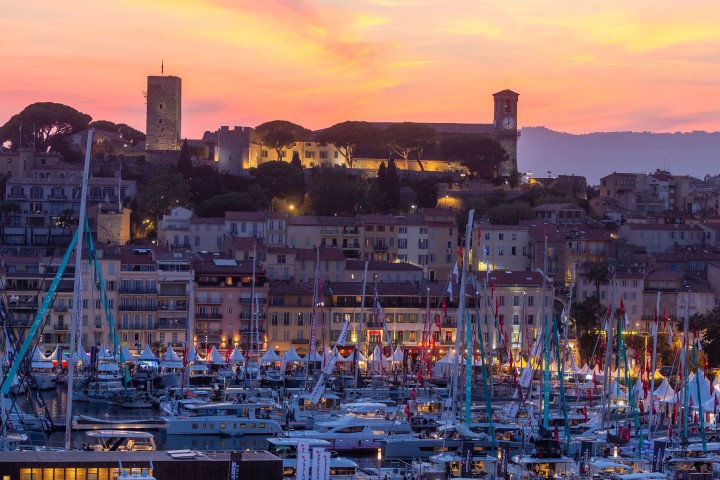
x=125, y=131
x=41, y=124
x=598, y=274
x=281, y=134
x=281, y=180
x=249, y=201
x=407, y=138
x=709, y=326
x=335, y=191
x=345, y=136
x=478, y=153
x=165, y=190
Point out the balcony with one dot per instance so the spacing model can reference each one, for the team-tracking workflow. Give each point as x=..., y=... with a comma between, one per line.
x=208, y=331
x=60, y=327
x=351, y=231
x=138, y=291
x=380, y=247
x=260, y=331
x=208, y=301
x=57, y=197
x=16, y=196
x=246, y=316
x=329, y=231
x=138, y=308
x=60, y=308
x=250, y=301
x=171, y=325
x=209, y=316
x=174, y=307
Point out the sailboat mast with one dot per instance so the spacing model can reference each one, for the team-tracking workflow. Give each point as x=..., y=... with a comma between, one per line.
x=252, y=315
x=652, y=368
x=76, y=317
x=460, y=320
x=360, y=334
x=686, y=369
x=313, y=320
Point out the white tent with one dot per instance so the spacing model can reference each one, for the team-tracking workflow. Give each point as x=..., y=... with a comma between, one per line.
x=616, y=390
x=573, y=366
x=215, y=356
x=270, y=357
x=55, y=354
x=589, y=385
x=664, y=391
x=340, y=358
x=192, y=355
x=127, y=354
x=584, y=370
x=397, y=356
x=104, y=354
x=81, y=355
x=38, y=355
x=146, y=356
x=292, y=356
x=236, y=356
x=448, y=358
x=170, y=355
x=638, y=387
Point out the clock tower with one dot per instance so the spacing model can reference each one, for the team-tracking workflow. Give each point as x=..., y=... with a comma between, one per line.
x=505, y=129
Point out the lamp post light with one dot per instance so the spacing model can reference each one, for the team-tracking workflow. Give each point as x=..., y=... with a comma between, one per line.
x=379, y=459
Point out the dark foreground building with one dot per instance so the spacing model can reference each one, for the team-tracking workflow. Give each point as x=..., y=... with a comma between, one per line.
x=180, y=465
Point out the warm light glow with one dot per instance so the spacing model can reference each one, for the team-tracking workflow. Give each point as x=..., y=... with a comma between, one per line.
x=588, y=66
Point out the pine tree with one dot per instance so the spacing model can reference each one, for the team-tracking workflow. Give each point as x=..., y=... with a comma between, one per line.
x=392, y=185
x=185, y=165
x=296, y=161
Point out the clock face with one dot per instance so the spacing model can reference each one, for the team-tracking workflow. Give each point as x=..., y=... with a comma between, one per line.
x=508, y=123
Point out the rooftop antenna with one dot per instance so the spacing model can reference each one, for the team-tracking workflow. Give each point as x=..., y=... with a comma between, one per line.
x=162, y=67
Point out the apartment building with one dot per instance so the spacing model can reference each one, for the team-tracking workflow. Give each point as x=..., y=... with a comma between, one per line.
x=500, y=247
x=224, y=291
x=290, y=317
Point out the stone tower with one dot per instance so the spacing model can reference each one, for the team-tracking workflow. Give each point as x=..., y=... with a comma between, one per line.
x=163, y=113
x=505, y=127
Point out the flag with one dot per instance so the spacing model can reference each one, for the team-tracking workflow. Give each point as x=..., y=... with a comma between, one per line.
x=670, y=335
x=492, y=289
x=407, y=411
x=622, y=307
x=456, y=272
x=627, y=322
x=450, y=293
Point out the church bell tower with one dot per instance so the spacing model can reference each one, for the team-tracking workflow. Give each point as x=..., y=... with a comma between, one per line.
x=505, y=128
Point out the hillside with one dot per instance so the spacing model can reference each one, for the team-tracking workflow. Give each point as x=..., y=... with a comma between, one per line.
x=595, y=155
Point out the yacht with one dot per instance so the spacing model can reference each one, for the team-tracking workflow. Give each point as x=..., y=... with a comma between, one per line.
x=446, y=439
x=170, y=369
x=190, y=417
x=120, y=441
x=340, y=467
x=43, y=371
x=351, y=432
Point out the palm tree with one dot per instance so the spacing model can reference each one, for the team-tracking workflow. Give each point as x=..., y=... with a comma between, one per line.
x=586, y=317
x=157, y=347
x=598, y=274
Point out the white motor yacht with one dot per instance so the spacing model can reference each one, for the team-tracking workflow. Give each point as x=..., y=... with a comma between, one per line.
x=194, y=418
x=351, y=432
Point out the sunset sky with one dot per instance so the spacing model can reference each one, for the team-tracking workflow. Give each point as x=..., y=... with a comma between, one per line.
x=578, y=66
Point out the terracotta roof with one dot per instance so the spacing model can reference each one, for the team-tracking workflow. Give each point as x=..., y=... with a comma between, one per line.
x=207, y=220
x=132, y=255
x=410, y=219
x=661, y=226
x=340, y=221
x=359, y=265
x=281, y=249
x=664, y=275
x=378, y=219
x=212, y=263
x=303, y=220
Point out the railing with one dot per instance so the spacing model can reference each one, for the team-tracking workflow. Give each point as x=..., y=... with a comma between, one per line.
x=174, y=307
x=60, y=327
x=60, y=308
x=380, y=247
x=61, y=196
x=209, y=301
x=248, y=316
x=250, y=301
x=138, y=308
x=142, y=290
x=209, y=316
x=330, y=231
x=208, y=331
x=171, y=325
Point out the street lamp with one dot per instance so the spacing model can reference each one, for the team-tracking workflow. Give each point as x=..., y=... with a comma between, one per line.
x=379, y=459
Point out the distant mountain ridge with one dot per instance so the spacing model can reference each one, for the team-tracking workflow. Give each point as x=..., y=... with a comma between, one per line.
x=595, y=155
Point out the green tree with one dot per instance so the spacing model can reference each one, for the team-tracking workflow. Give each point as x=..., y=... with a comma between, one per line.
x=335, y=191
x=480, y=154
x=404, y=139
x=599, y=274
x=281, y=180
x=281, y=134
x=41, y=124
x=157, y=348
x=586, y=316
x=185, y=166
x=253, y=199
x=510, y=213
x=426, y=193
x=346, y=136
x=296, y=162
x=130, y=134
x=392, y=185
x=165, y=190
x=708, y=325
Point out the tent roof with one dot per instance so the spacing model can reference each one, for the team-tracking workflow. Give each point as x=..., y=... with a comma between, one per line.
x=236, y=356
x=170, y=355
x=215, y=356
x=292, y=355
x=397, y=356
x=129, y=357
x=147, y=355
x=270, y=356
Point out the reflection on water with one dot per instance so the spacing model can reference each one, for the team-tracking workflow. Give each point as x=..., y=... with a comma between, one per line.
x=56, y=401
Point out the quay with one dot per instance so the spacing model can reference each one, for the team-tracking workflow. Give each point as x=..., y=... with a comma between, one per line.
x=170, y=465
